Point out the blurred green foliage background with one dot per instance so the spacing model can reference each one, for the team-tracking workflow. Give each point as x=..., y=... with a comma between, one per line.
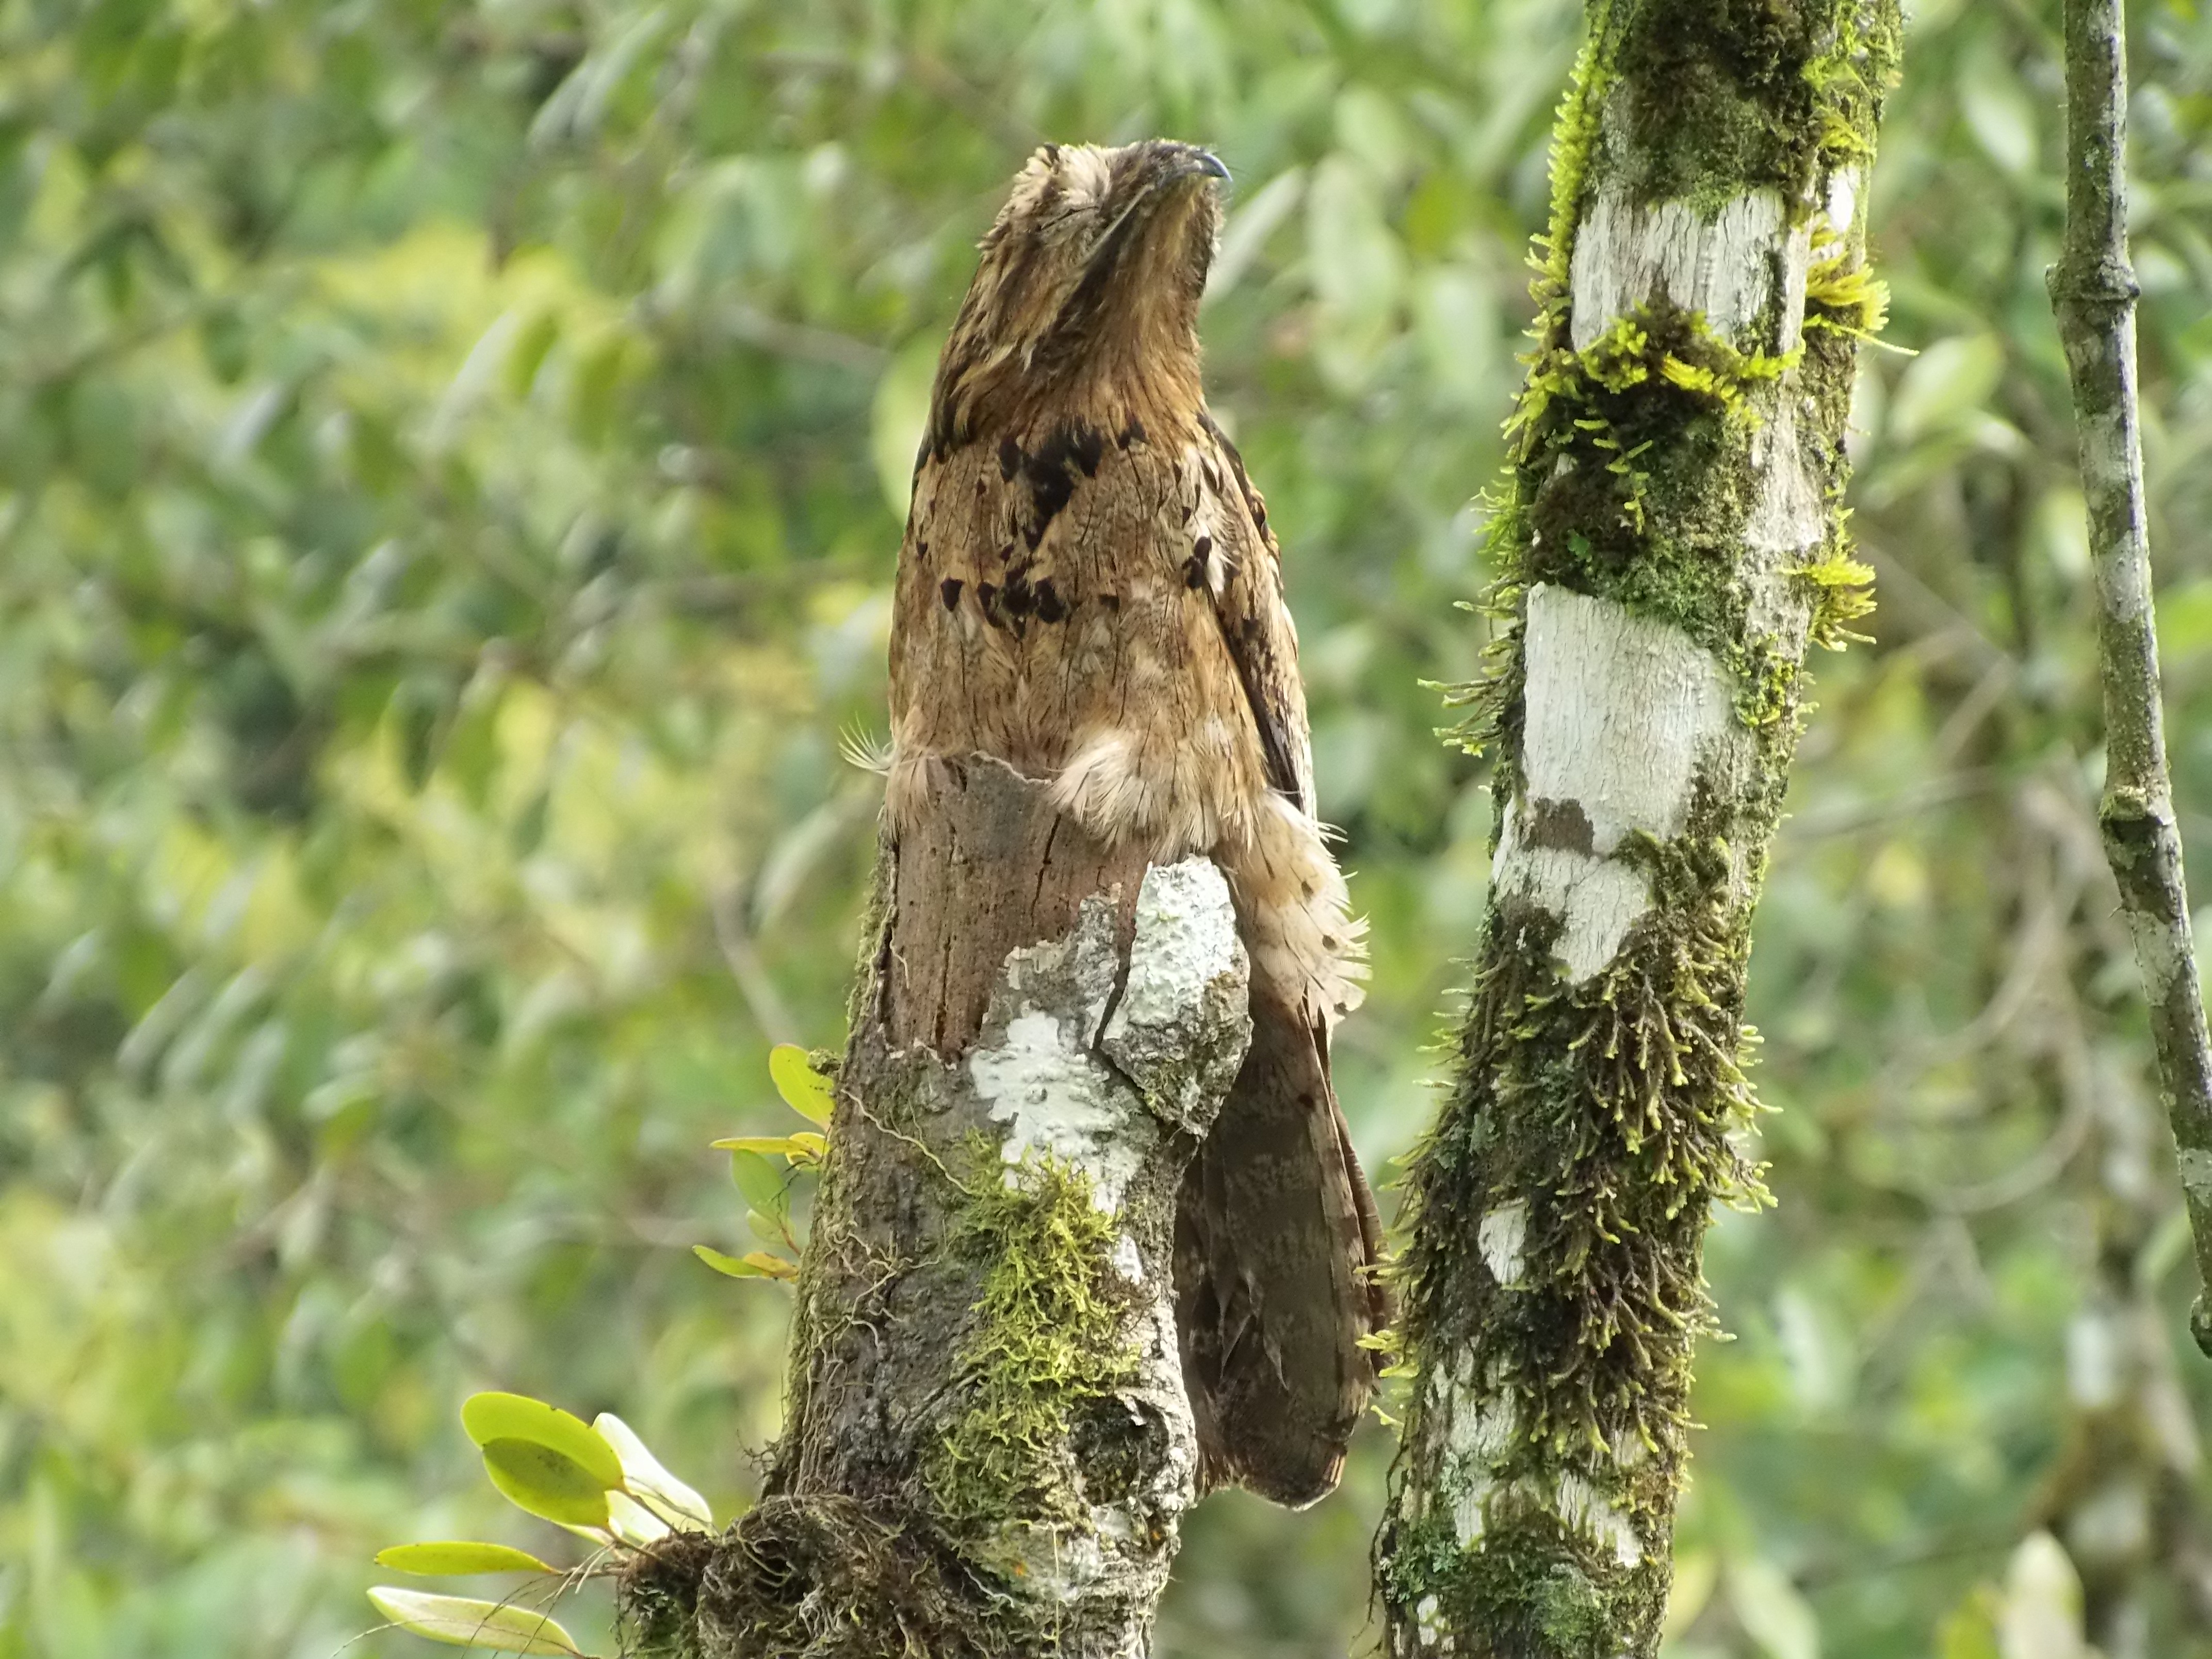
x=451, y=459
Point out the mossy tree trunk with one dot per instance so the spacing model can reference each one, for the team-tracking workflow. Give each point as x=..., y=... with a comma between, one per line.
x=1669, y=538
x=988, y=1445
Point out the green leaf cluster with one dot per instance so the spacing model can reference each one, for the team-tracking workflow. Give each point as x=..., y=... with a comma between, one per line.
x=596, y=1480
x=767, y=1189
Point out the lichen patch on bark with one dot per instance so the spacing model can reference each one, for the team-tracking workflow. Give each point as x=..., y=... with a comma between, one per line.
x=1056, y=1102
x=1180, y=1027
x=1158, y=1038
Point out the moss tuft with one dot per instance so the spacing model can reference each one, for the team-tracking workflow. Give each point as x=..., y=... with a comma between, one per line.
x=1720, y=97
x=1610, y=1109
x=1575, y=129
x=1526, y=1587
x=1843, y=293
x=1716, y=98
x=1610, y=490
x=1843, y=592
x=1525, y=1591
x=1657, y=346
x=1049, y=1340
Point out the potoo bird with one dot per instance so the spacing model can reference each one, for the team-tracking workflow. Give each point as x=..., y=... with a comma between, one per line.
x=1089, y=592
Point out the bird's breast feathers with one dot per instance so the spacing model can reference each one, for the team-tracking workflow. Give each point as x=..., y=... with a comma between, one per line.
x=1103, y=606
x=1072, y=598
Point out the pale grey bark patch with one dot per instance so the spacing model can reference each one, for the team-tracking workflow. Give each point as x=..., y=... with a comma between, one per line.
x=1787, y=516
x=1503, y=1232
x=1627, y=252
x=1843, y=202
x=1623, y=713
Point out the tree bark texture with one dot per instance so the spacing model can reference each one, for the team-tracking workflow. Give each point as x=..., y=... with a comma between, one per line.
x=1669, y=539
x=988, y=1443
x=2093, y=291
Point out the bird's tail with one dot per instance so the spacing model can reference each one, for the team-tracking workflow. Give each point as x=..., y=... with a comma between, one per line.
x=1277, y=1239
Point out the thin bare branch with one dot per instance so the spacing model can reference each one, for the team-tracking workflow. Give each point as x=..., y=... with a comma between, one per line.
x=2093, y=291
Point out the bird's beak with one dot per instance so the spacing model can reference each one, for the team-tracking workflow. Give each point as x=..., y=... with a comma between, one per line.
x=1183, y=163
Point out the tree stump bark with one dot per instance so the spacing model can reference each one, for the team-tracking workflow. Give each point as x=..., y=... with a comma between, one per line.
x=988, y=1445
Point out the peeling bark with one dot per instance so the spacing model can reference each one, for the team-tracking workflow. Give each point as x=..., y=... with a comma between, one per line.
x=2093, y=291
x=1669, y=542
x=989, y=1447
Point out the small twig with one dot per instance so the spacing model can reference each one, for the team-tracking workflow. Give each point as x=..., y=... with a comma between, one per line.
x=763, y=1001
x=2093, y=292
x=804, y=341
x=1851, y=817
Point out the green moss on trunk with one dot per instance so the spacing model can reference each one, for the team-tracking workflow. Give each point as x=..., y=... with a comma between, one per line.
x=1049, y=1339
x=1557, y=1210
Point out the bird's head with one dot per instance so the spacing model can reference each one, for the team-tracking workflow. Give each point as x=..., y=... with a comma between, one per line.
x=1088, y=287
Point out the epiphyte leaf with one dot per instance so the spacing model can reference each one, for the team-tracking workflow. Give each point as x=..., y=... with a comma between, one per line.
x=760, y=1182
x=452, y=1559
x=801, y=1148
x=541, y=1481
x=647, y=1479
x=494, y=1416
x=757, y=1264
x=464, y=1622
x=804, y=1090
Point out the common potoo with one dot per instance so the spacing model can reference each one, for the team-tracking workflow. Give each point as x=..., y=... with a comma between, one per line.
x=1089, y=592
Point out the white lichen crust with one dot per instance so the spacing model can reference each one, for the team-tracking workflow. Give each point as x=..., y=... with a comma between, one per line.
x=1181, y=1028
x=1082, y=1064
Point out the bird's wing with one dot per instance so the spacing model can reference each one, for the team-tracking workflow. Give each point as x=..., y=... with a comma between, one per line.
x=1255, y=617
x=1276, y=1232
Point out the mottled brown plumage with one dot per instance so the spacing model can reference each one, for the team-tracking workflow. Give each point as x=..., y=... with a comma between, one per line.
x=1089, y=592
